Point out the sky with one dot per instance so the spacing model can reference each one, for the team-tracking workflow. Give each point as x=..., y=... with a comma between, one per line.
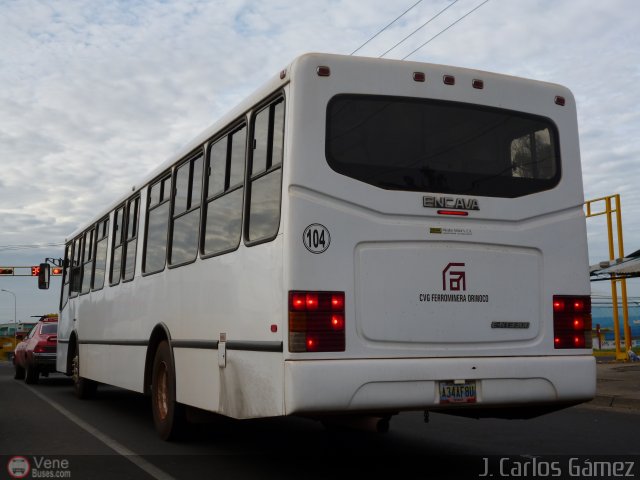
x=94, y=95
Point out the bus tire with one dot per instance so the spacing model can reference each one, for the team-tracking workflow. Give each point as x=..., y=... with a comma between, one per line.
x=31, y=376
x=82, y=387
x=168, y=415
x=19, y=374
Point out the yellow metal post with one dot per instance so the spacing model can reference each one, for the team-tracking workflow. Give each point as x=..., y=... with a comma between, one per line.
x=623, y=281
x=608, y=211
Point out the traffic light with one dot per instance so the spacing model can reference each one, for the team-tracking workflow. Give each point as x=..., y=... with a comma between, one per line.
x=56, y=271
x=35, y=271
x=6, y=270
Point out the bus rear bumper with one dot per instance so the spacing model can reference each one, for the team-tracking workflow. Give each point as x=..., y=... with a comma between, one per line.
x=379, y=385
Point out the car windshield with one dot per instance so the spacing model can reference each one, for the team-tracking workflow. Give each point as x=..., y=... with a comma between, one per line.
x=49, y=328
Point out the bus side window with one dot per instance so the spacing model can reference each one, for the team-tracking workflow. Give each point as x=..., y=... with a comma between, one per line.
x=186, y=212
x=116, y=249
x=100, y=259
x=87, y=260
x=76, y=272
x=64, y=294
x=265, y=182
x=225, y=189
x=131, y=239
x=155, y=247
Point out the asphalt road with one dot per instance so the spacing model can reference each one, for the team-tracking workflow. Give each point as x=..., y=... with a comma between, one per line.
x=112, y=436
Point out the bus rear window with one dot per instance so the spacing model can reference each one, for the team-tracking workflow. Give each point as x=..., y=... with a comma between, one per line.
x=411, y=144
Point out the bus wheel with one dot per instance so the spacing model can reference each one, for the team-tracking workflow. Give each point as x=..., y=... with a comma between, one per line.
x=82, y=387
x=19, y=375
x=168, y=415
x=31, y=376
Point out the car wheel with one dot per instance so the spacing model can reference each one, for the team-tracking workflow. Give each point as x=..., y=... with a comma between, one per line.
x=31, y=376
x=82, y=387
x=19, y=374
x=168, y=414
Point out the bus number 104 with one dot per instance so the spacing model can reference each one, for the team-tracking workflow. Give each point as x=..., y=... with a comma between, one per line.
x=316, y=238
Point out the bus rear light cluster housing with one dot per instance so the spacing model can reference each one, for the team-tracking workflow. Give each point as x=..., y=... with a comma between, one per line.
x=316, y=321
x=572, y=321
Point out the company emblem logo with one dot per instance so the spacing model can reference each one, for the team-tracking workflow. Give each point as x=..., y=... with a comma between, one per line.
x=454, y=279
x=429, y=201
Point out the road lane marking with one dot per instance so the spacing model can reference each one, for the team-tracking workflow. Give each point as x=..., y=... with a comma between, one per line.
x=133, y=457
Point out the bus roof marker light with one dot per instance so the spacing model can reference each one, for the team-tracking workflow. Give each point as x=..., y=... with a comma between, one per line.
x=419, y=76
x=323, y=71
x=449, y=79
x=283, y=73
x=477, y=84
x=559, y=100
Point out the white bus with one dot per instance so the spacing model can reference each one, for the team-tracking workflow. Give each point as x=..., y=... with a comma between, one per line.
x=358, y=237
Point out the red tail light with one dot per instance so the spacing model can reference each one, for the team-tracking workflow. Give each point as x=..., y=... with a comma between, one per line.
x=572, y=321
x=39, y=348
x=456, y=213
x=316, y=321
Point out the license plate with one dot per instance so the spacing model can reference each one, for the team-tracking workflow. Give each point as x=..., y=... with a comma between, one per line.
x=452, y=392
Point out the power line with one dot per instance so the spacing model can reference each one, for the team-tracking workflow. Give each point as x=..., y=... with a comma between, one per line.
x=421, y=26
x=442, y=31
x=398, y=18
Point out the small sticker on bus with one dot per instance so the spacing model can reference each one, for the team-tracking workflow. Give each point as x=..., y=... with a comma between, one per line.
x=449, y=231
x=316, y=238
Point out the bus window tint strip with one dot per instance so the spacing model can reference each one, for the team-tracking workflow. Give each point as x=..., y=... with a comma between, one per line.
x=116, y=255
x=260, y=142
x=75, y=273
x=217, y=167
x=64, y=294
x=101, y=255
x=157, y=228
x=237, y=157
x=423, y=145
x=131, y=244
x=87, y=265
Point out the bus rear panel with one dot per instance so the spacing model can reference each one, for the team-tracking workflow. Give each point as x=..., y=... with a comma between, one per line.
x=435, y=251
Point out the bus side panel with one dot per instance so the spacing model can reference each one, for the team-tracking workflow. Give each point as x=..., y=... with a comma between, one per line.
x=197, y=377
x=248, y=386
x=122, y=358
x=236, y=297
x=62, y=351
x=65, y=329
x=251, y=385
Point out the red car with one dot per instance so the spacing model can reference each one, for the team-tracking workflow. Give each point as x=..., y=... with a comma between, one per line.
x=36, y=354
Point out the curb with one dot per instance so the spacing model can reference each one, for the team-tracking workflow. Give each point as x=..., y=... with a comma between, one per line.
x=615, y=401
